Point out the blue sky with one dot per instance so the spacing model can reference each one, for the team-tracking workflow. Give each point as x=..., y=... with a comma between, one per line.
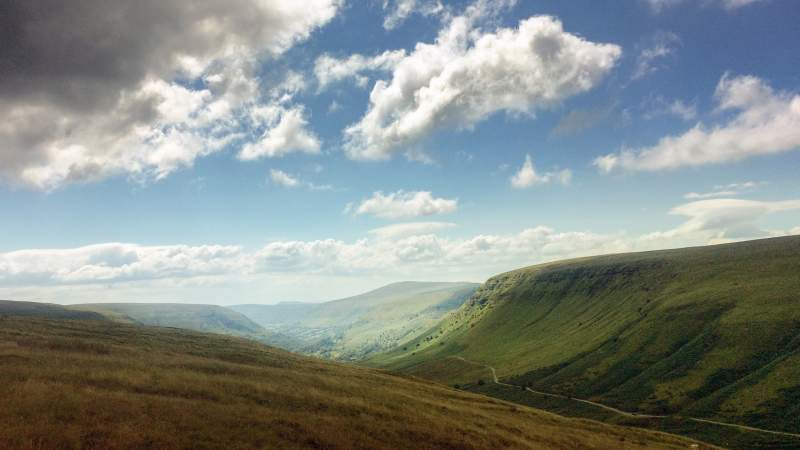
x=259, y=160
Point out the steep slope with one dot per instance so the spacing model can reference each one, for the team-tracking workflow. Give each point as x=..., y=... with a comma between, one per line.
x=101, y=384
x=355, y=327
x=10, y=308
x=705, y=332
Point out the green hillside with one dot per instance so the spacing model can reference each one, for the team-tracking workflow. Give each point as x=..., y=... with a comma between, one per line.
x=709, y=332
x=206, y=318
x=10, y=308
x=103, y=384
x=355, y=327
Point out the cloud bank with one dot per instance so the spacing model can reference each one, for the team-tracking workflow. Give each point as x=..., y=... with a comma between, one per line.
x=143, y=88
x=397, y=251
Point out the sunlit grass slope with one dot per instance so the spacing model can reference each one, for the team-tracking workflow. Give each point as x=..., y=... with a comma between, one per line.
x=102, y=384
x=706, y=332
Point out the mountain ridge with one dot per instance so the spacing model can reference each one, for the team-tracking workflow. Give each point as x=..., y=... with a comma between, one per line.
x=705, y=331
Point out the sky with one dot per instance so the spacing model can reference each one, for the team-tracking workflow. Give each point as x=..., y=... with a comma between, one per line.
x=258, y=151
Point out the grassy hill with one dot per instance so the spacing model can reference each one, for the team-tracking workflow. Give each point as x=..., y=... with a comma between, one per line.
x=356, y=327
x=10, y=308
x=708, y=332
x=206, y=318
x=104, y=384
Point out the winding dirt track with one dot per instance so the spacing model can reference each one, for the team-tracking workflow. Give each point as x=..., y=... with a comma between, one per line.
x=627, y=413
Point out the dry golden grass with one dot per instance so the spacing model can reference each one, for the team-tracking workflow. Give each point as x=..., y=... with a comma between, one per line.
x=70, y=384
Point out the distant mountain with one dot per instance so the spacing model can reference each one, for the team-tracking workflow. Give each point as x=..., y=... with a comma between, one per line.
x=710, y=332
x=207, y=318
x=33, y=309
x=281, y=314
x=355, y=327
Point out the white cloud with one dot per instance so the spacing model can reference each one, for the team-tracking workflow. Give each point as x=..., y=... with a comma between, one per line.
x=725, y=190
x=659, y=106
x=405, y=205
x=663, y=45
x=766, y=122
x=402, y=251
x=134, y=108
x=468, y=74
x=283, y=179
x=329, y=70
x=401, y=230
x=660, y=5
x=707, y=195
x=115, y=262
x=290, y=134
x=527, y=176
x=683, y=110
x=723, y=220
x=402, y=9
x=334, y=107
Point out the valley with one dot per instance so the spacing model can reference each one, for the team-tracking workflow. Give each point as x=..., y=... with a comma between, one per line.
x=700, y=342
x=354, y=328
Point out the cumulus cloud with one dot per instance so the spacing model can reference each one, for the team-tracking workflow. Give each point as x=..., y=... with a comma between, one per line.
x=468, y=74
x=289, y=134
x=400, y=10
x=283, y=179
x=404, y=205
x=651, y=58
x=142, y=89
x=730, y=5
x=764, y=122
x=527, y=176
x=329, y=70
